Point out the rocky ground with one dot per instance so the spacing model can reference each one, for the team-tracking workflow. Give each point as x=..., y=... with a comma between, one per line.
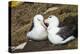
x=21, y=18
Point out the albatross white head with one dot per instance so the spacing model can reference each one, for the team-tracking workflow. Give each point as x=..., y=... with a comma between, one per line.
x=39, y=20
x=52, y=21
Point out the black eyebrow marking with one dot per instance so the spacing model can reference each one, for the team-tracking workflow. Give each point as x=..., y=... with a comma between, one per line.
x=38, y=19
x=49, y=16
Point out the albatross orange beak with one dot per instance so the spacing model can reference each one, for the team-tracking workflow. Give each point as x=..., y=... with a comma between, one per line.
x=46, y=22
x=42, y=23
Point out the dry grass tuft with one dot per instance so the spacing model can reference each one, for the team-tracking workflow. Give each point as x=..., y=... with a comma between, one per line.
x=22, y=16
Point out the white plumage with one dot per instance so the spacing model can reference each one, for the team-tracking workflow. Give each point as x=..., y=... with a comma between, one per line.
x=53, y=29
x=38, y=31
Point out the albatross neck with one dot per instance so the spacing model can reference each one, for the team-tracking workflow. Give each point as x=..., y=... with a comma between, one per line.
x=54, y=24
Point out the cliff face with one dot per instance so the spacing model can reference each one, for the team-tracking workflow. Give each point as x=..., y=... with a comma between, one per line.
x=22, y=15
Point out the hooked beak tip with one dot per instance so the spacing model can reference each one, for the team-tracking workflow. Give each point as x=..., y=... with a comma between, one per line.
x=46, y=22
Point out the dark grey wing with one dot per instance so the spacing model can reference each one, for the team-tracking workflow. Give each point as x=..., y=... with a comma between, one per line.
x=32, y=26
x=69, y=27
x=66, y=31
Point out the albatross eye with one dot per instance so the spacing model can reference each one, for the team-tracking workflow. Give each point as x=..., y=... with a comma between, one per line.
x=50, y=17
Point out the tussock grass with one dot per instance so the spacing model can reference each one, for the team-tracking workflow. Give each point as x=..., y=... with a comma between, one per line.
x=22, y=16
